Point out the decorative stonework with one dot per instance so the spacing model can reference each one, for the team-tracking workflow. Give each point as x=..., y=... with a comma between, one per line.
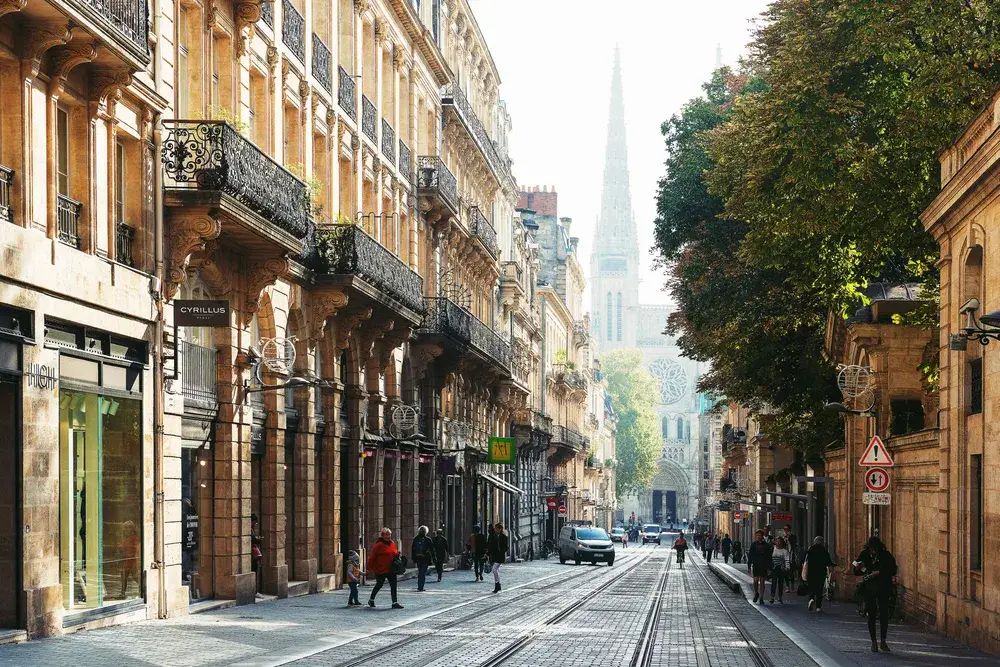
x=323, y=305
x=247, y=14
x=106, y=82
x=38, y=39
x=64, y=59
x=8, y=6
x=186, y=236
x=262, y=275
x=348, y=323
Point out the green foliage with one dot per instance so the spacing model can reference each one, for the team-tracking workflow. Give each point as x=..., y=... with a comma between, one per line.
x=560, y=357
x=226, y=114
x=314, y=187
x=634, y=396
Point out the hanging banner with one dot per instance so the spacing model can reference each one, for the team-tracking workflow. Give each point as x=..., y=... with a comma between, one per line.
x=502, y=450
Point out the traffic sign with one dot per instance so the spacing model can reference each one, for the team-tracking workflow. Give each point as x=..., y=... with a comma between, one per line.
x=737, y=515
x=562, y=510
x=877, y=479
x=875, y=498
x=876, y=454
x=551, y=502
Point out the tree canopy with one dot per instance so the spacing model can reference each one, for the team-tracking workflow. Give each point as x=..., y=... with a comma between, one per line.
x=634, y=397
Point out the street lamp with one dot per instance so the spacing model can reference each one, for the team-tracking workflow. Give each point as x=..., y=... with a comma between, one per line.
x=974, y=328
x=841, y=409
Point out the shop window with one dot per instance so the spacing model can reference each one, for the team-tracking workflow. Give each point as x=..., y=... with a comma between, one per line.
x=619, y=316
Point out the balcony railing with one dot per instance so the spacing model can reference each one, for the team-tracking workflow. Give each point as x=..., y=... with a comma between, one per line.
x=267, y=12
x=68, y=218
x=388, y=141
x=567, y=436
x=322, y=67
x=345, y=94
x=483, y=230
x=7, y=179
x=433, y=174
x=446, y=317
x=198, y=372
x=124, y=238
x=347, y=249
x=405, y=162
x=293, y=30
x=128, y=18
x=212, y=155
x=453, y=96
x=369, y=119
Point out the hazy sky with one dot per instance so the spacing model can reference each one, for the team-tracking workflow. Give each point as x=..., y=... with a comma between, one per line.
x=555, y=59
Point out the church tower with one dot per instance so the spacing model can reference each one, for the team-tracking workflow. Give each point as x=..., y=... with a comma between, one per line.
x=615, y=256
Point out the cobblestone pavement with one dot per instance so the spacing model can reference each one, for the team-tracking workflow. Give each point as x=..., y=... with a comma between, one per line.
x=547, y=614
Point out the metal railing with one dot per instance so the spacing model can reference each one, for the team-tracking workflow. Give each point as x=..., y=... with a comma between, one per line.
x=444, y=316
x=405, y=162
x=198, y=372
x=129, y=18
x=369, y=119
x=6, y=181
x=68, y=220
x=267, y=12
x=124, y=238
x=347, y=249
x=433, y=174
x=567, y=436
x=388, y=141
x=483, y=230
x=322, y=65
x=293, y=30
x=212, y=155
x=345, y=94
x=453, y=96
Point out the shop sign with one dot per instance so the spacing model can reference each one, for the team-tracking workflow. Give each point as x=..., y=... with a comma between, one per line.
x=875, y=498
x=781, y=516
x=201, y=313
x=551, y=502
x=563, y=510
x=502, y=450
x=877, y=479
x=41, y=376
x=723, y=507
x=256, y=441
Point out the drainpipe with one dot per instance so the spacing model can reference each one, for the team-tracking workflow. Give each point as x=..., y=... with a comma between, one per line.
x=158, y=379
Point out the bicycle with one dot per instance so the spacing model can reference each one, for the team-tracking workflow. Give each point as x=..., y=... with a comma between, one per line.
x=862, y=605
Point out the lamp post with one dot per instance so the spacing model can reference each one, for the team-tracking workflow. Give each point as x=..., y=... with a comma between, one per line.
x=975, y=328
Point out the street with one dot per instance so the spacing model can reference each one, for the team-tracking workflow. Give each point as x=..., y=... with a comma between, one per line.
x=644, y=610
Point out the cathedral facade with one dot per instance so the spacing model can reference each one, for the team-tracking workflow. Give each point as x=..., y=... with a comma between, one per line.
x=618, y=320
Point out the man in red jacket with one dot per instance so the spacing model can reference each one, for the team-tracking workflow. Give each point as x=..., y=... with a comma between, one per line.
x=380, y=563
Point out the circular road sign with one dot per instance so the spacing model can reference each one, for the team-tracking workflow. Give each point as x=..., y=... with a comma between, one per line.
x=562, y=510
x=877, y=479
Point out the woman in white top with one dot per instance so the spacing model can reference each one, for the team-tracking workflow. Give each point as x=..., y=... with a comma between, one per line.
x=781, y=563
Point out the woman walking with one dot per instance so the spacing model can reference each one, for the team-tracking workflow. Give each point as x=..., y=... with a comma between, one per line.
x=381, y=563
x=878, y=567
x=497, y=548
x=781, y=563
x=815, y=568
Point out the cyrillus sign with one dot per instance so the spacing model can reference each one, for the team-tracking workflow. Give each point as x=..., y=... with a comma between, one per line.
x=201, y=313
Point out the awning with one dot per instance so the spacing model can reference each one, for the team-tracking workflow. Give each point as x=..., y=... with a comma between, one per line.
x=500, y=484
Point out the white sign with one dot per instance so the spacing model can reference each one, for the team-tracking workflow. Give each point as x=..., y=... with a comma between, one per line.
x=877, y=479
x=876, y=498
x=876, y=454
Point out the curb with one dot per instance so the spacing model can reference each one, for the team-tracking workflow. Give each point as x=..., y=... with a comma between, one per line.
x=728, y=579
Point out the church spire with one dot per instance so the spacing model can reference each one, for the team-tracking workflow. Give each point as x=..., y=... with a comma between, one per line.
x=616, y=224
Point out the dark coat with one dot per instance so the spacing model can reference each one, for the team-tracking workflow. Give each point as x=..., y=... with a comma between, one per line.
x=759, y=555
x=497, y=548
x=477, y=544
x=441, y=548
x=422, y=550
x=881, y=561
x=817, y=560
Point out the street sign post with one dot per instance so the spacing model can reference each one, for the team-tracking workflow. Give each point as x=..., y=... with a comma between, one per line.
x=551, y=503
x=876, y=498
x=877, y=479
x=563, y=510
x=876, y=454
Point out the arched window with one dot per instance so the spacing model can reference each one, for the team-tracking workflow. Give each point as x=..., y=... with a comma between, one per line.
x=610, y=321
x=680, y=429
x=665, y=424
x=619, y=315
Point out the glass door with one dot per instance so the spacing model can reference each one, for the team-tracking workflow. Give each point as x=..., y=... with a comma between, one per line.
x=10, y=496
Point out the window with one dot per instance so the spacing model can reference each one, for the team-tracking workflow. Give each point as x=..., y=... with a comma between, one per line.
x=619, y=315
x=680, y=428
x=216, y=51
x=62, y=152
x=120, y=181
x=976, y=512
x=611, y=319
x=183, y=74
x=976, y=389
x=665, y=428
x=907, y=416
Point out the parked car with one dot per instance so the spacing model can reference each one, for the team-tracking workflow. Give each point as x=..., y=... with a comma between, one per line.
x=618, y=535
x=580, y=543
x=650, y=533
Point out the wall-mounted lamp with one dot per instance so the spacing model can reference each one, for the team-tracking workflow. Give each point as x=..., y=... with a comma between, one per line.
x=975, y=328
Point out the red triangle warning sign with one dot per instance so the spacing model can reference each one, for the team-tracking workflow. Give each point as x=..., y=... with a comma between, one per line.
x=876, y=454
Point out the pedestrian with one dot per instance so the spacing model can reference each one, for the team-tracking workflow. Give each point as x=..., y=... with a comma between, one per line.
x=477, y=545
x=715, y=543
x=768, y=537
x=793, y=551
x=256, y=553
x=737, y=551
x=727, y=547
x=680, y=546
x=815, y=568
x=758, y=565
x=709, y=547
x=422, y=553
x=382, y=563
x=353, y=578
x=625, y=538
x=781, y=562
x=878, y=567
x=497, y=547
x=441, y=552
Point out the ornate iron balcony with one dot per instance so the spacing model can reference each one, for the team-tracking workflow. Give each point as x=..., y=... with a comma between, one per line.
x=212, y=155
x=433, y=175
x=369, y=119
x=405, y=162
x=455, y=98
x=483, y=230
x=321, y=65
x=347, y=249
x=68, y=220
x=446, y=317
x=388, y=141
x=293, y=30
x=567, y=436
x=124, y=237
x=345, y=94
x=7, y=179
x=267, y=12
x=128, y=18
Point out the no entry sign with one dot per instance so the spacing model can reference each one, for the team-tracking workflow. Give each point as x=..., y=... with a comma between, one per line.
x=562, y=510
x=877, y=479
x=551, y=503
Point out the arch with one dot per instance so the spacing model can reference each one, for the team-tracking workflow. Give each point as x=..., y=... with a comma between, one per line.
x=665, y=427
x=680, y=429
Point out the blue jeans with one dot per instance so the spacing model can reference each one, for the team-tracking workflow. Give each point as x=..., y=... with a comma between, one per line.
x=421, y=575
x=353, y=599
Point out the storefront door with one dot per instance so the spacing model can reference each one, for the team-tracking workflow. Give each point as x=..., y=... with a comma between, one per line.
x=10, y=492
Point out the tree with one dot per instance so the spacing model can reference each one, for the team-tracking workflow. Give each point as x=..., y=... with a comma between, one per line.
x=634, y=397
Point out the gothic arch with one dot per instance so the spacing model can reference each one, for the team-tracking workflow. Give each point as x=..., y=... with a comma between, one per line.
x=672, y=477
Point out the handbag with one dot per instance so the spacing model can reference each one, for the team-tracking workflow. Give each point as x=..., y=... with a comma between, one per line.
x=399, y=564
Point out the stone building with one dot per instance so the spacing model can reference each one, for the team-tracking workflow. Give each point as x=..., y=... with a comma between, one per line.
x=338, y=175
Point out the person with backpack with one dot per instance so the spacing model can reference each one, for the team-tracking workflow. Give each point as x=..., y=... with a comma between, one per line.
x=680, y=546
x=497, y=547
x=477, y=545
x=422, y=552
x=382, y=563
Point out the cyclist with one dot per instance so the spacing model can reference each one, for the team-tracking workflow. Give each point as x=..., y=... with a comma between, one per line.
x=878, y=567
x=680, y=546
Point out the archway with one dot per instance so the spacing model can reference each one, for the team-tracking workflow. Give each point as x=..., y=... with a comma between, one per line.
x=668, y=499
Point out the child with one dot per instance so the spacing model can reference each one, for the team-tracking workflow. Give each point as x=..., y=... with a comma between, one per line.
x=353, y=577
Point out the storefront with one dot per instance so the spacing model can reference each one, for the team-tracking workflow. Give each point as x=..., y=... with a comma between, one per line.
x=13, y=329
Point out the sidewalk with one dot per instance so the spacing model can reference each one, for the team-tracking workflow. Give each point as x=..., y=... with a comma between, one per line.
x=268, y=633
x=838, y=636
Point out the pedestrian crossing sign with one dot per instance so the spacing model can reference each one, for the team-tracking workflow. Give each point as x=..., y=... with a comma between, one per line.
x=876, y=454
x=501, y=450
